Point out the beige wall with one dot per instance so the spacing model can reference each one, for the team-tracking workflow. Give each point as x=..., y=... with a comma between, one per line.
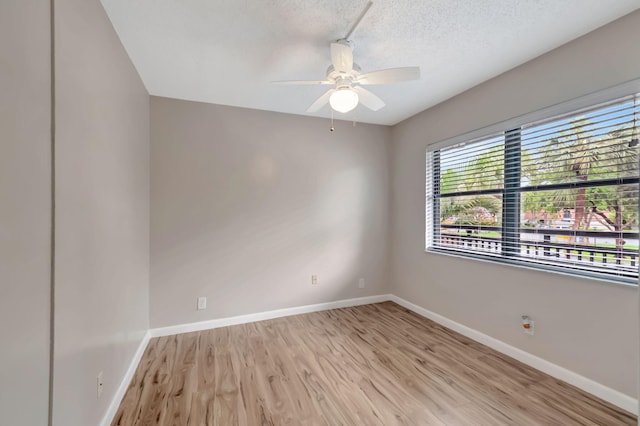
x=102, y=211
x=587, y=326
x=25, y=211
x=246, y=205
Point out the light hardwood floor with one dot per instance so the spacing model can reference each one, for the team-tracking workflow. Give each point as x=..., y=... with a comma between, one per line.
x=369, y=365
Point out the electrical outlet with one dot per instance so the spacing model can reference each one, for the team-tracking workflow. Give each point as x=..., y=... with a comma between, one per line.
x=99, y=383
x=528, y=325
x=314, y=280
x=361, y=283
x=532, y=328
x=202, y=303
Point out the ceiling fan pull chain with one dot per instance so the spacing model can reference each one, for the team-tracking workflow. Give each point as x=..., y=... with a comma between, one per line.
x=331, y=129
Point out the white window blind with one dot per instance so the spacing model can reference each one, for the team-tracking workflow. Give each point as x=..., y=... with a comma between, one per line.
x=559, y=193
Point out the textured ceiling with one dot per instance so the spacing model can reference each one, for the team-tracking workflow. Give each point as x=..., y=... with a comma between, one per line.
x=228, y=51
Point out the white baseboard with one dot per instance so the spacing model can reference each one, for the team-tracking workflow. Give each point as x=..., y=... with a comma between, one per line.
x=616, y=398
x=261, y=316
x=124, y=384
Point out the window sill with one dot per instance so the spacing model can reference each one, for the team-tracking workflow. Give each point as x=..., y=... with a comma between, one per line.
x=601, y=278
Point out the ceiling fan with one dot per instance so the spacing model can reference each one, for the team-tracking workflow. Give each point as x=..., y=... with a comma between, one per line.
x=345, y=75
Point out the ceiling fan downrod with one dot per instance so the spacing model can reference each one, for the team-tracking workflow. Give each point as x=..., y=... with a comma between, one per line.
x=355, y=25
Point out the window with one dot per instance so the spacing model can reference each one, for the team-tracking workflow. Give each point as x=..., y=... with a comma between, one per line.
x=559, y=193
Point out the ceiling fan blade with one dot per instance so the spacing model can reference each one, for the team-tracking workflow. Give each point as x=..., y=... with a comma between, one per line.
x=391, y=75
x=321, y=101
x=368, y=99
x=303, y=82
x=342, y=57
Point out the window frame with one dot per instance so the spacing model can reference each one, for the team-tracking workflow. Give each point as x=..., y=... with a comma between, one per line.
x=511, y=129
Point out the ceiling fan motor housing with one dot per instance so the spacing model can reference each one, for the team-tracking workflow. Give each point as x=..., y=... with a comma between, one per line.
x=333, y=75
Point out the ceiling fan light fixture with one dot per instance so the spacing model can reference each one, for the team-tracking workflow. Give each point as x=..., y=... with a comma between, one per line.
x=343, y=100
